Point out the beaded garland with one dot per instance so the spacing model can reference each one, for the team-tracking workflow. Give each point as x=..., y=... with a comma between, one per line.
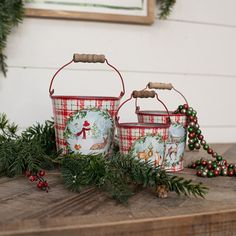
x=205, y=168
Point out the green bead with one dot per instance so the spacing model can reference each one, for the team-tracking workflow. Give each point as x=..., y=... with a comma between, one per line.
x=206, y=147
x=191, y=146
x=200, y=168
x=210, y=174
x=198, y=131
x=190, y=109
x=194, y=113
x=180, y=107
x=231, y=166
x=188, y=113
x=190, y=129
x=219, y=158
x=224, y=172
x=198, y=162
x=214, y=165
x=195, y=140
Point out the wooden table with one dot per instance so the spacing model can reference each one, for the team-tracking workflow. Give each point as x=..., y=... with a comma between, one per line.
x=25, y=210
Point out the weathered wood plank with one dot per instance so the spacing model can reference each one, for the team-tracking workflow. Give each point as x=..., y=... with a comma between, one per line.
x=26, y=211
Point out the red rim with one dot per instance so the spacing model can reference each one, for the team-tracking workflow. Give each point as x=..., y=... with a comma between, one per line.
x=85, y=97
x=133, y=125
x=158, y=113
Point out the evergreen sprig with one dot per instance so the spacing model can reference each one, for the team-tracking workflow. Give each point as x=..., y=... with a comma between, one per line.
x=32, y=150
x=118, y=174
x=11, y=14
x=165, y=7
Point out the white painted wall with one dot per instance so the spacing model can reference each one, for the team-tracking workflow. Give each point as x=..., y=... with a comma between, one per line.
x=194, y=49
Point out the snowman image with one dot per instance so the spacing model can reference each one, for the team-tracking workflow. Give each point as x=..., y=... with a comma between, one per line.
x=89, y=132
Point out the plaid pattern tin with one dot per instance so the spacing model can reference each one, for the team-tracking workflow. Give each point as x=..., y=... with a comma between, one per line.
x=65, y=106
x=175, y=144
x=128, y=133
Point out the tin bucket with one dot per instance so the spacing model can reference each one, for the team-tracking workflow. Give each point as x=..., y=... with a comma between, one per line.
x=176, y=142
x=85, y=124
x=141, y=140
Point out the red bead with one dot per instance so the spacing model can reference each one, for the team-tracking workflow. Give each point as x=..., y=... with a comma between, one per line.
x=194, y=165
x=204, y=163
x=216, y=173
x=234, y=169
x=210, y=151
x=32, y=178
x=191, y=118
x=199, y=173
x=191, y=135
x=195, y=120
x=41, y=173
x=200, y=137
x=45, y=184
x=209, y=166
x=185, y=106
x=230, y=172
x=214, y=154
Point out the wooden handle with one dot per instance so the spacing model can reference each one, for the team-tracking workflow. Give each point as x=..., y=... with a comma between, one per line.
x=152, y=85
x=89, y=58
x=143, y=94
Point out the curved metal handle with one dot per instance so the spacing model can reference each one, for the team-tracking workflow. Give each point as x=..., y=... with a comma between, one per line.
x=133, y=96
x=89, y=58
x=156, y=85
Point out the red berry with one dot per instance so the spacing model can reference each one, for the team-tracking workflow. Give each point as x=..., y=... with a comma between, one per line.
x=216, y=172
x=41, y=173
x=40, y=184
x=32, y=178
x=45, y=184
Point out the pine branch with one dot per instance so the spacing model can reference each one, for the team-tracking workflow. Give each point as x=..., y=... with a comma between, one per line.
x=165, y=8
x=117, y=174
x=33, y=150
x=11, y=14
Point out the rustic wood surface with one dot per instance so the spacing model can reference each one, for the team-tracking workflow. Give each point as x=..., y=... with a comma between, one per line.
x=25, y=210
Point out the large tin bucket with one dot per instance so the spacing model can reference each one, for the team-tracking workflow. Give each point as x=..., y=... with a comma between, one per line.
x=140, y=140
x=176, y=142
x=85, y=124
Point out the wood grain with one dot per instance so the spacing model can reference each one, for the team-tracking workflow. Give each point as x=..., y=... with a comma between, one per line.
x=26, y=211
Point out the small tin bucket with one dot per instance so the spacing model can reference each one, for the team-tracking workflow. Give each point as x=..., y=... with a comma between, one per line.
x=141, y=140
x=176, y=142
x=85, y=124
